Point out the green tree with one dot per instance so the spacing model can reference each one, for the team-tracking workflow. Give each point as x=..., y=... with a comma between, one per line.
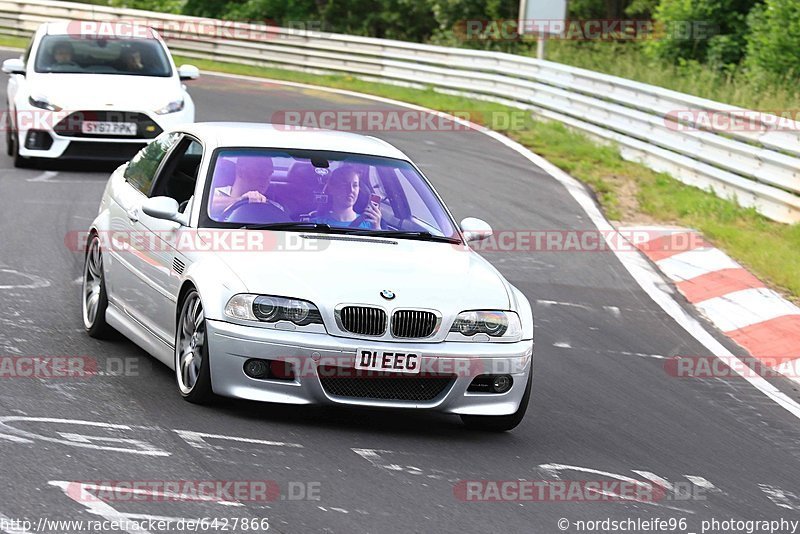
x=701, y=30
x=773, y=43
x=164, y=6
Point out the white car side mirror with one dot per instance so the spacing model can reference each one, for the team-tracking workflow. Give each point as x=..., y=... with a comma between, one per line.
x=475, y=229
x=162, y=208
x=14, y=66
x=188, y=72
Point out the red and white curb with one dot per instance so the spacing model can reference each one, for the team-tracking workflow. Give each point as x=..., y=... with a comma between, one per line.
x=735, y=301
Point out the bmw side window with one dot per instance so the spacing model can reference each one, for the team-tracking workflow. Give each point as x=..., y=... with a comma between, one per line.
x=142, y=169
x=178, y=175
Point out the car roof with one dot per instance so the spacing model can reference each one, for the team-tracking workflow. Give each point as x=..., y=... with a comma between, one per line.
x=59, y=27
x=264, y=135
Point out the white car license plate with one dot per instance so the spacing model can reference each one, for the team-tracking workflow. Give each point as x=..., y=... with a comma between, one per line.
x=108, y=128
x=388, y=361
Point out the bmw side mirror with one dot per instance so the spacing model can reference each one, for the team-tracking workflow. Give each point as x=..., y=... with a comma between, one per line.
x=188, y=72
x=475, y=229
x=14, y=66
x=162, y=208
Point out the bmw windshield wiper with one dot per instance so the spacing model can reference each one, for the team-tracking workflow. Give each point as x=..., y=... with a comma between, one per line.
x=326, y=228
x=422, y=236
x=289, y=226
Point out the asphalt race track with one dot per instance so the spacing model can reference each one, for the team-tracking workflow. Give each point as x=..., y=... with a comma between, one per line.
x=602, y=407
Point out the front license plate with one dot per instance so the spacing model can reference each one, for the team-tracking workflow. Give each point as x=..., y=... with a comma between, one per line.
x=108, y=128
x=388, y=361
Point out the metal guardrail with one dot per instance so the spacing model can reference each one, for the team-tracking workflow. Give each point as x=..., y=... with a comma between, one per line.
x=760, y=167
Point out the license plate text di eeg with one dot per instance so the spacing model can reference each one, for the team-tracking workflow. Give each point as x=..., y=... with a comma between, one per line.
x=388, y=361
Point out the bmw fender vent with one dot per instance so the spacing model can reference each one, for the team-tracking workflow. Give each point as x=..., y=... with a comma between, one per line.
x=178, y=266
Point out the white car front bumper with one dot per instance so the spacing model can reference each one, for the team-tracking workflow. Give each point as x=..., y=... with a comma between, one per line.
x=38, y=122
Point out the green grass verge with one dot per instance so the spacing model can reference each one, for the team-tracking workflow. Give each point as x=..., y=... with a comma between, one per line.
x=14, y=42
x=628, y=60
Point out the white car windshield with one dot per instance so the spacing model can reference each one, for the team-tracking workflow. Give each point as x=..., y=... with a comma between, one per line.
x=330, y=191
x=88, y=55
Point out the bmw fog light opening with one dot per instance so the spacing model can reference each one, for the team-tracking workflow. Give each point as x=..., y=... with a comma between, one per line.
x=501, y=383
x=272, y=309
x=497, y=384
x=268, y=369
x=256, y=368
x=495, y=324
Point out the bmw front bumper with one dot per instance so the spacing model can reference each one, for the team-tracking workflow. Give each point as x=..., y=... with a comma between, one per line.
x=313, y=354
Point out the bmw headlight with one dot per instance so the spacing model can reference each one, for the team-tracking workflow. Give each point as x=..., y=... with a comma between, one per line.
x=172, y=107
x=486, y=325
x=42, y=102
x=270, y=309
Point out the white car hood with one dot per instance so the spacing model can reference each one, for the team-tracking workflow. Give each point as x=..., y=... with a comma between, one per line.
x=439, y=276
x=75, y=92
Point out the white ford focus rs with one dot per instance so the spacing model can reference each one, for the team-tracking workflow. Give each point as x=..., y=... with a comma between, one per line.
x=305, y=267
x=85, y=90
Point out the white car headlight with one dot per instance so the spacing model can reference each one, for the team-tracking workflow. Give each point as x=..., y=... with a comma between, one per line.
x=486, y=325
x=42, y=102
x=269, y=309
x=172, y=107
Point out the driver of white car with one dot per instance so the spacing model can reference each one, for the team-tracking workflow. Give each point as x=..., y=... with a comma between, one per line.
x=251, y=180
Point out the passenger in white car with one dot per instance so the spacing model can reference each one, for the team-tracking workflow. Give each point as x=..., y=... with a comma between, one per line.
x=342, y=192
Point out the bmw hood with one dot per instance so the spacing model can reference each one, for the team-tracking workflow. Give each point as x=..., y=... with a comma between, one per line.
x=75, y=92
x=338, y=269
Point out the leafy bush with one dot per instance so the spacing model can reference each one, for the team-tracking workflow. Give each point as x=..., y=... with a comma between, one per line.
x=701, y=29
x=165, y=6
x=773, y=44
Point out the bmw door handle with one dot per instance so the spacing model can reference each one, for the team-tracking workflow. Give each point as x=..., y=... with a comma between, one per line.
x=133, y=214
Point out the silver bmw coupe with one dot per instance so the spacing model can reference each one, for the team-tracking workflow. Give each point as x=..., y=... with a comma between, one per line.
x=299, y=266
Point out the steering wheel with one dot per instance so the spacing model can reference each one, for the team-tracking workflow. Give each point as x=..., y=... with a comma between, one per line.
x=254, y=212
x=227, y=212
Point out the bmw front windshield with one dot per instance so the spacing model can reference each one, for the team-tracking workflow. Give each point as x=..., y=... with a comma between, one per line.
x=330, y=191
x=68, y=54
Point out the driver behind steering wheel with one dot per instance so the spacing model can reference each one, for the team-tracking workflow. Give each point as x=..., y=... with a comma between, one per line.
x=250, y=184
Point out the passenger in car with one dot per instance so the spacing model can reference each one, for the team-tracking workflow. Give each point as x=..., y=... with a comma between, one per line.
x=132, y=60
x=342, y=192
x=251, y=180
